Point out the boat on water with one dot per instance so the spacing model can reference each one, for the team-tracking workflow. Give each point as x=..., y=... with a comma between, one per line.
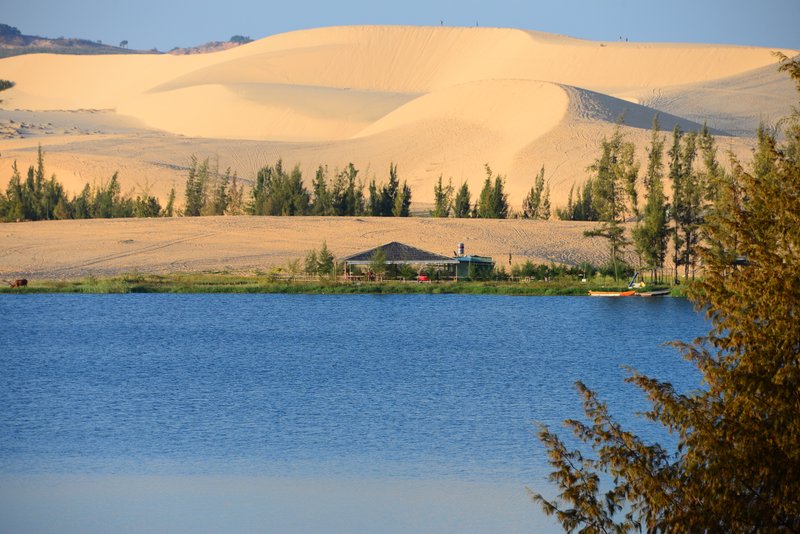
x=628, y=293
x=656, y=293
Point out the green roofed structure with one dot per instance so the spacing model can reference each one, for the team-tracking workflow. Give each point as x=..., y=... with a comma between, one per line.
x=474, y=267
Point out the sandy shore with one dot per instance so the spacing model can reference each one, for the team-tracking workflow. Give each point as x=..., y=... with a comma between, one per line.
x=72, y=249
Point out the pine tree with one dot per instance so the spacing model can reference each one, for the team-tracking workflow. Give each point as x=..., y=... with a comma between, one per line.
x=462, y=202
x=402, y=204
x=688, y=192
x=82, y=204
x=493, y=202
x=374, y=200
x=389, y=193
x=651, y=235
x=676, y=176
x=531, y=205
x=195, y=192
x=500, y=198
x=545, y=210
x=612, y=172
x=312, y=263
x=220, y=197
x=322, y=202
x=568, y=213
x=442, y=199
x=377, y=263
x=278, y=193
x=236, y=204
x=485, y=205
x=14, y=196
x=325, y=260
x=169, y=210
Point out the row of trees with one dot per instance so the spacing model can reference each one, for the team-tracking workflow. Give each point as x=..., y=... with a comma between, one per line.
x=278, y=192
x=38, y=198
x=275, y=191
x=611, y=196
x=208, y=192
x=493, y=200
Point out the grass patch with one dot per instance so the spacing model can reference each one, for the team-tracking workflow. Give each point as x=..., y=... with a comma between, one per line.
x=224, y=282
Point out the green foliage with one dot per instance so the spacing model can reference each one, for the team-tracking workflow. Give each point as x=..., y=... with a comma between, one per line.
x=536, y=204
x=405, y=271
x=615, y=173
x=196, y=192
x=38, y=198
x=279, y=193
x=320, y=262
x=402, y=204
x=493, y=202
x=169, y=210
x=462, y=202
x=312, y=263
x=651, y=235
x=240, y=39
x=736, y=467
x=9, y=31
x=6, y=84
x=388, y=197
x=325, y=260
x=691, y=189
x=377, y=263
x=551, y=271
x=146, y=206
x=580, y=207
x=220, y=198
x=347, y=196
x=442, y=199
x=390, y=200
x=323, y=200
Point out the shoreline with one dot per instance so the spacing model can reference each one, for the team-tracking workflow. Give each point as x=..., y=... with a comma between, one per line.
x=219, y=283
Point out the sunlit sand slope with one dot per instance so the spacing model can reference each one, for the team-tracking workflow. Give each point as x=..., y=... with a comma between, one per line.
x=435, y=100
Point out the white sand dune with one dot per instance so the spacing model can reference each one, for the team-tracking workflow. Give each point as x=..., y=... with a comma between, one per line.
x=435, y=100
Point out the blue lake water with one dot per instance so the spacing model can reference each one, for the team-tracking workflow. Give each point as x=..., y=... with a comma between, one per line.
x=295, y=387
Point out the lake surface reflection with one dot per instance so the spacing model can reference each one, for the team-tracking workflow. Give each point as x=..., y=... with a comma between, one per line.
x=294, y=387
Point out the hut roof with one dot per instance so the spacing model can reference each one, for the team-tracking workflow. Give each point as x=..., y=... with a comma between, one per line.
x=400, y=253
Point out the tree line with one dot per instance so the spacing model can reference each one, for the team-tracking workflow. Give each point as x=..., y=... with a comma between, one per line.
x=611, y=197
x=279, y=191
x=276, y=191
x=39, y=198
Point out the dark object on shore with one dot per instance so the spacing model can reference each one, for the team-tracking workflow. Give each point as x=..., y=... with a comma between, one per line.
x=19, y=282
x=654, y=293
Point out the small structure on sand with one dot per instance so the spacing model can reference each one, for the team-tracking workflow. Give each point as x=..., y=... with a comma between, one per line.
x=398, y=254
x=425, y=263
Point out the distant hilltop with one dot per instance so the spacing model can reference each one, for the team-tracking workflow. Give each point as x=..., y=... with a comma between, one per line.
x=14, y=43
x=212, y=46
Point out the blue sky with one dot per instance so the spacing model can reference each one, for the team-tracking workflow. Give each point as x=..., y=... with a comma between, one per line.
x=165, y=24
